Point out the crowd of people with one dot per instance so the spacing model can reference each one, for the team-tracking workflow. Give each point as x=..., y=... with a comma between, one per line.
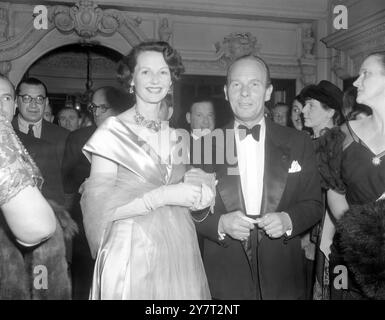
x=112, y=213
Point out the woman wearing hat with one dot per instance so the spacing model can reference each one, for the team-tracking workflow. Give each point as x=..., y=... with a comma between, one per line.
x=322, y=114
x=323, y=103
x=362, y=164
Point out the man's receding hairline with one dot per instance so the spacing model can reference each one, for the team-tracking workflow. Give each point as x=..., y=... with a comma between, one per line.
x=252, y=58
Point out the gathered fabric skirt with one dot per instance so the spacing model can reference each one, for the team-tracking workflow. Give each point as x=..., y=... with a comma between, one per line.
x=154, y=256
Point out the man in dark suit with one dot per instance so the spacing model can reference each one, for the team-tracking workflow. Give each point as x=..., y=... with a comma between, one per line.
x=44, y=154
x=31, y=102
x=267, y=196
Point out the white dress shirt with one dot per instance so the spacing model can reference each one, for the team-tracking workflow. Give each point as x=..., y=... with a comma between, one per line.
x=23, y=126
x=251, y=164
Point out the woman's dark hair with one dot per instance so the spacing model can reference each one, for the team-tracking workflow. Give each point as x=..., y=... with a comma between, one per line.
x=359, y=109
x=338, y=117
x=126, y=66
x=351, y=107
x=300, y=99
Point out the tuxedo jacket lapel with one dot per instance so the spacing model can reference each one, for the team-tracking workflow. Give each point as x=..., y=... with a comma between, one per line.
x=230, y=190
x=277, y=161
x=229, y=185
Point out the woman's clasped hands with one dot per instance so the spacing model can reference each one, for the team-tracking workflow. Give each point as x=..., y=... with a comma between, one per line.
x=206, y=182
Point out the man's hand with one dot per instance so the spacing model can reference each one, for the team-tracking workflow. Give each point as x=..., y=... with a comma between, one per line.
x=275, y=224
x=234, y=224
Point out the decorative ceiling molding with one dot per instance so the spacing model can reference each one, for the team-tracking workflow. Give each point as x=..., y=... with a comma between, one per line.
x=87, y=22
x=85, y=19
x=361, y=38
x=272, y=10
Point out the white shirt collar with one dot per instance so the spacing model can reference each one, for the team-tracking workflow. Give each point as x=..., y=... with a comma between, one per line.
x=23, y=125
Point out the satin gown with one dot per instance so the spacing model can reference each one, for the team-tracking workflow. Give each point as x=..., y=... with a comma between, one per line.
x=152, y=255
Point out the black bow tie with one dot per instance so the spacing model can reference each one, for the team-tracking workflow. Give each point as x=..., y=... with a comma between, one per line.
x=254, y=131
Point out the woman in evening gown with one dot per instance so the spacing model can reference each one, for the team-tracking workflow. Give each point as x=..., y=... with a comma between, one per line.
x=363, y=174
x=135, y=204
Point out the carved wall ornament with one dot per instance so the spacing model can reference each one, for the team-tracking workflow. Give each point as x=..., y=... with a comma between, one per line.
x=5, y=67
x=4, y=24
x=138, y=21
x=236, y=45
x=308, y=70
x=164, y=31
x=86, y=19
x=307, y=41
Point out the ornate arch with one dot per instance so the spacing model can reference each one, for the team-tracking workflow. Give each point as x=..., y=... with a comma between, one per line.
x=85, y=22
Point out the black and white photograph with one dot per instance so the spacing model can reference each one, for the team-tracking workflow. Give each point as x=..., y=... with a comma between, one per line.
x=195, y=153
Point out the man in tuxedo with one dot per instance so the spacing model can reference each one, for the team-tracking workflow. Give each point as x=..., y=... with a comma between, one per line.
x=264, y=202
x=31, y=102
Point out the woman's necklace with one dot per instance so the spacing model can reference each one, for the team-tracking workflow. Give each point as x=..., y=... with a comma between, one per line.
x=376, y=160
x=142, y=121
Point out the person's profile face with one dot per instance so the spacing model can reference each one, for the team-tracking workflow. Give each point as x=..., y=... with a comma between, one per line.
x=32, y=110
x=7, y=100
x=152, y=77
x=371, y=81
x=202, y=116
x=246, y=90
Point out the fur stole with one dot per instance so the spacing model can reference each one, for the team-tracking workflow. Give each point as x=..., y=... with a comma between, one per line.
x=40, y=272
x=361, y=233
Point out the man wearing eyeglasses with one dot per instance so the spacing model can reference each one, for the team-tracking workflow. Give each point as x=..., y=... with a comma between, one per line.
x=31, y=102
